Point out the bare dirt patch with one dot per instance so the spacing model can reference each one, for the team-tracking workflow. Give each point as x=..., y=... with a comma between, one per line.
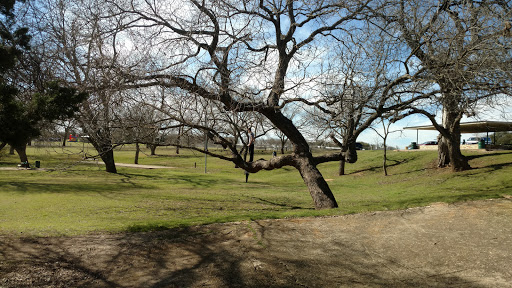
x=461, y=245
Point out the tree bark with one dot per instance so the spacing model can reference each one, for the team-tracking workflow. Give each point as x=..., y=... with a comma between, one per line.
x=283, y=141
x=178, y=141
x=443, y=158
x=458, y=162
x=22, y=152
x=108, y=159
x=449, y=152
x=106, y=152
x=2, y=145
x=66, y=133
x=349, y=154
x=11, y=150
x=317, y=186
x=137, y=150
x=152, y=147
x=341, y=170
x=385, y=160
x=303, y=161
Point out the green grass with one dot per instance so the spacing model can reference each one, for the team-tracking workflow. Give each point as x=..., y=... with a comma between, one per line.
x=71, y=198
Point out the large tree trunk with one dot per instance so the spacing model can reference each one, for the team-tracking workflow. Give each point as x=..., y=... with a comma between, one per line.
x=458, y=162
x=108, y=159
x=303, y=161
x=22, y=152
x=449, y=152
x=318, y=187
x=2, y=145
x=443, y=153
x=106, y=152
x=11, y=150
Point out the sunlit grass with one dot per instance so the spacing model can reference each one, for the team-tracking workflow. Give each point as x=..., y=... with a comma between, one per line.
x=69, y=197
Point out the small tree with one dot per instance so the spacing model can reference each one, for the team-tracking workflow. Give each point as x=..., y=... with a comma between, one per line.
x=386, y=125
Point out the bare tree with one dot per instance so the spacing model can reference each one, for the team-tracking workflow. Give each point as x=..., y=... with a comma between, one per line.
x=365, y=82
x=463, y=50
x=80, y=47
x=245, y=57
x=384, y=134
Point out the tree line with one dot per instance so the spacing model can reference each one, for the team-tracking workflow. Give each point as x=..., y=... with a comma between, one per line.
x=304, y=70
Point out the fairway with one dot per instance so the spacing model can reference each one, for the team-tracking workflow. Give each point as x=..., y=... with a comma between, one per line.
x=69, y=197
x=88, y=218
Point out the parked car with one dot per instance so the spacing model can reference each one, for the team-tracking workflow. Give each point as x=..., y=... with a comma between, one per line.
x=475, y=140
x=359, y=146
x=429, y=143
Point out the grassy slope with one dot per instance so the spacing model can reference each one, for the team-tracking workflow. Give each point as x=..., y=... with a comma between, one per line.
x=75, y=198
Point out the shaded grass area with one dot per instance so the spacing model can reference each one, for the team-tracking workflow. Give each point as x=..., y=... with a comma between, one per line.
x=70, y=197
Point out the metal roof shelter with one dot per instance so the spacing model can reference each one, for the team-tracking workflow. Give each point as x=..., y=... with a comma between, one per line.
x=472, y=127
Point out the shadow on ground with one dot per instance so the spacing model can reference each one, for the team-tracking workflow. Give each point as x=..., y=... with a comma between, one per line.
x=462, y=245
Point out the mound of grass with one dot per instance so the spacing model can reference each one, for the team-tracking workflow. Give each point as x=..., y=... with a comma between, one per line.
x=69, y=197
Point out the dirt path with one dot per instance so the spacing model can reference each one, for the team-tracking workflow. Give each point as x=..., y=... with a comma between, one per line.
x=462, y=245
x=140, y=166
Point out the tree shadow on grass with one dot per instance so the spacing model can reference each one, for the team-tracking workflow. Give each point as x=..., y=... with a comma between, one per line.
x=194, y=180
x=497, y=166
x=139, y=175
x=64, y=188
x=249, y=254
x=484, y=155
x=283, y=205
x=391, y=163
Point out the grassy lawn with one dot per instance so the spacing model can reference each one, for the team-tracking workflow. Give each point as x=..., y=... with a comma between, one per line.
x=69, y=197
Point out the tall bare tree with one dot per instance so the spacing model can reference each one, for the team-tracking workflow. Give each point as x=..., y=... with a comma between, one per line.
x=244, y=56
x=80, y=46
x=465, y=52
x=366, y=80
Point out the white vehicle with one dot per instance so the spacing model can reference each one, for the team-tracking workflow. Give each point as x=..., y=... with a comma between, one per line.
x=475, y=140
